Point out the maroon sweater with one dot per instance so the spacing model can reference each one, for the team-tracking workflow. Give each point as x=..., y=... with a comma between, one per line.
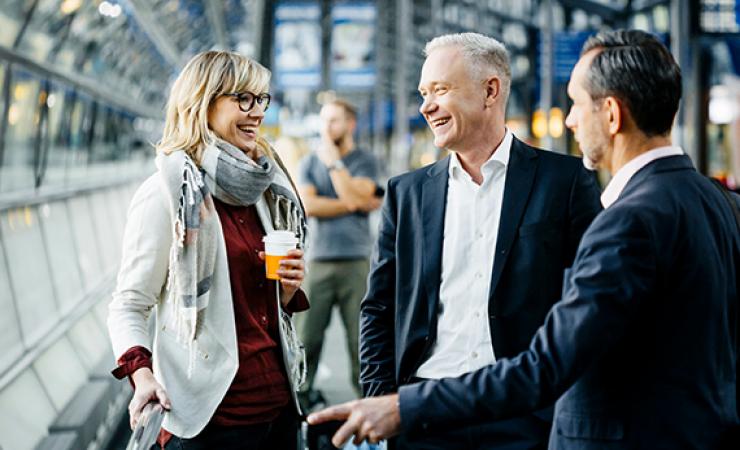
x=260, y=389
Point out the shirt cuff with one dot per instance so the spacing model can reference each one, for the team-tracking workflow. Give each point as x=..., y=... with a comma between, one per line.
x=298, y=303
x=134, y=359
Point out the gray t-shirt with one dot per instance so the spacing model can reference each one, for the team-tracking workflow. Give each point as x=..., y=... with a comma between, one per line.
x=341, y=237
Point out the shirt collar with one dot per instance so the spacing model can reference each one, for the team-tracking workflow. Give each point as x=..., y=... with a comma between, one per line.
x=500, y=155
x=625, y=174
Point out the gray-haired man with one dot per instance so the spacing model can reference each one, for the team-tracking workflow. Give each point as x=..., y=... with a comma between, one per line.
x=471, y=250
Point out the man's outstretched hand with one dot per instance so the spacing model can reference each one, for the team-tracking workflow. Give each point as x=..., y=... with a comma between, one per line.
x=372, y=419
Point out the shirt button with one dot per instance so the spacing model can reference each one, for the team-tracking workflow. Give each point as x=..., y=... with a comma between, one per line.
x=241, y=221
x=478, y=275
x=474, y=354
x=264, y=319
x=477, y=314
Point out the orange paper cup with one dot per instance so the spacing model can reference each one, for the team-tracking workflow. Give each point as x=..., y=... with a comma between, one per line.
x=277, y=245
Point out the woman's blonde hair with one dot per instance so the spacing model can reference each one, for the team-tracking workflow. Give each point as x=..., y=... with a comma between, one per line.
x=205, y=77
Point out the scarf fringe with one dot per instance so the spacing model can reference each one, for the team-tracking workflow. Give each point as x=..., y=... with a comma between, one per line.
x=186, y=319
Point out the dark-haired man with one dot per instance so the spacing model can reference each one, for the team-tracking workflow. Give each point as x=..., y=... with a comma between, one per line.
x=641, y=351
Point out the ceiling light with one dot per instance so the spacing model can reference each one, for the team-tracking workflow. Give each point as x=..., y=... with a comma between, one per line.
x=70, y=6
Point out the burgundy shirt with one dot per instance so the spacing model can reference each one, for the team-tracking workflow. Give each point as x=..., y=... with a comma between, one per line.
x=260, y=389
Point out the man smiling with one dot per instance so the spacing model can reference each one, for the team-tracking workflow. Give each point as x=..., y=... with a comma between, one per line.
x=641, y=352
x=461, y=243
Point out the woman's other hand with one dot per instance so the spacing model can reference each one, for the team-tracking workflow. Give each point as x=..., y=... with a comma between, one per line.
x=146, y=390
x=291, y=271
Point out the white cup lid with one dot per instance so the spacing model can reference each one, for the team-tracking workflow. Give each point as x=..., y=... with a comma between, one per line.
x=280, y=237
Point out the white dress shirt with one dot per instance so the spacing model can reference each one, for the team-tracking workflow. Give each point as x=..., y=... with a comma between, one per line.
x=471, y=224
x=625, y=174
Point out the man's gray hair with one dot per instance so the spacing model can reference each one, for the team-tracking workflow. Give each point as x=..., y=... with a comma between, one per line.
x=486, y=56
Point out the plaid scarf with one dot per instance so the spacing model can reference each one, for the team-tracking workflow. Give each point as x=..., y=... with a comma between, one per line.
x=231, y=176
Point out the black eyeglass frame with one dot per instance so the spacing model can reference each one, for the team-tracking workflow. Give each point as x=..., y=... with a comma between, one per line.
x=251, y=99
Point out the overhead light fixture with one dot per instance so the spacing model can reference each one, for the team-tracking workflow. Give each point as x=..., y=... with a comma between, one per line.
x=539, y=124
x=724, y=107
x=556, y=124
x=69, y=6
x=109, y=9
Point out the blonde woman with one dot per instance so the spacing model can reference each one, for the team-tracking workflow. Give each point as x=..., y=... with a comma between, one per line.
x=193, y=249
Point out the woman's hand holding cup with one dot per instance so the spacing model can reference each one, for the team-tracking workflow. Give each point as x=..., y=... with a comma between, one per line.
x=292, y=270
x=284, y=262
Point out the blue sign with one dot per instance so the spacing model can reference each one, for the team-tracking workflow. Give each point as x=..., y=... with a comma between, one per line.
x=298, y=45
x=566, y=52
x=353, y=45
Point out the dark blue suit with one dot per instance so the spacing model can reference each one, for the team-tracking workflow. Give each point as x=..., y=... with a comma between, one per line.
x=549, y=201
x=641, y=349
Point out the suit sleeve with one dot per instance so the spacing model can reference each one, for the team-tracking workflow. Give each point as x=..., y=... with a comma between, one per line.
x=609, y=284
x=583, y=207
x=377, y=310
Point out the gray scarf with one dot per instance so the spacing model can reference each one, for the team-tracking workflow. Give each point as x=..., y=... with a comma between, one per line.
x=234, y=178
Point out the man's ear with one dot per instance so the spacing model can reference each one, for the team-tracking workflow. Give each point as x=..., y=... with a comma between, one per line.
x=615, y=115
x=493, y=90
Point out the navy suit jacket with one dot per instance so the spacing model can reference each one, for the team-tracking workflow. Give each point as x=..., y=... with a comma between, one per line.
x=549, y=200
x=641, y=349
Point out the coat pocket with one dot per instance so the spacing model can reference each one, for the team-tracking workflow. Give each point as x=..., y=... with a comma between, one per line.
x=583, y=427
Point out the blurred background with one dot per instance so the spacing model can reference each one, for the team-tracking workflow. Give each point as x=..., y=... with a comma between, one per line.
x=82, y=90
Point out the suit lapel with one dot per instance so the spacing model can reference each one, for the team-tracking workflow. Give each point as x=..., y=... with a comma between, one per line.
x=433, y=204
x=520, y=174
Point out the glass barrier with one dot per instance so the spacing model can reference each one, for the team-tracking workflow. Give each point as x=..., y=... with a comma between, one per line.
x=20, y=147
x=10, y=333
x=57, y=144
x=83, y=230
x=23, y=428
x=28, y=267
x=57, y=232
x=60, y=372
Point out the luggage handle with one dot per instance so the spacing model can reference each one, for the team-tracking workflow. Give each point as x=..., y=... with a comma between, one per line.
x=147, y=429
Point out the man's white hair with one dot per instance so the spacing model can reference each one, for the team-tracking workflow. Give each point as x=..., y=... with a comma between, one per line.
x=485, y=55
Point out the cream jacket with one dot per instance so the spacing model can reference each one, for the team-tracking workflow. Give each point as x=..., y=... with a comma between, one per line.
x=141, y=288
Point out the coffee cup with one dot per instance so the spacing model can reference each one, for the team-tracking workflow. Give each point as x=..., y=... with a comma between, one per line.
x=277, y=245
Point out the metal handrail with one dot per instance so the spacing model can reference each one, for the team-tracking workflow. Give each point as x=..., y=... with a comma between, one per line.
x=32, y=197
x=147, y=429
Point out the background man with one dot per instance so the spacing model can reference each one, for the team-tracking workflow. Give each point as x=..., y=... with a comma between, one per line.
x=338, y=185
x=472, y=249
x=642, y=347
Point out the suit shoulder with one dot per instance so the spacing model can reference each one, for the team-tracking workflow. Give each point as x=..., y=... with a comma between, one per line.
x=412, y=177
x=558, y=159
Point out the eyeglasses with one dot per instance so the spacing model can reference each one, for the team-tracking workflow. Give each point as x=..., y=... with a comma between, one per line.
x=247, y=100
